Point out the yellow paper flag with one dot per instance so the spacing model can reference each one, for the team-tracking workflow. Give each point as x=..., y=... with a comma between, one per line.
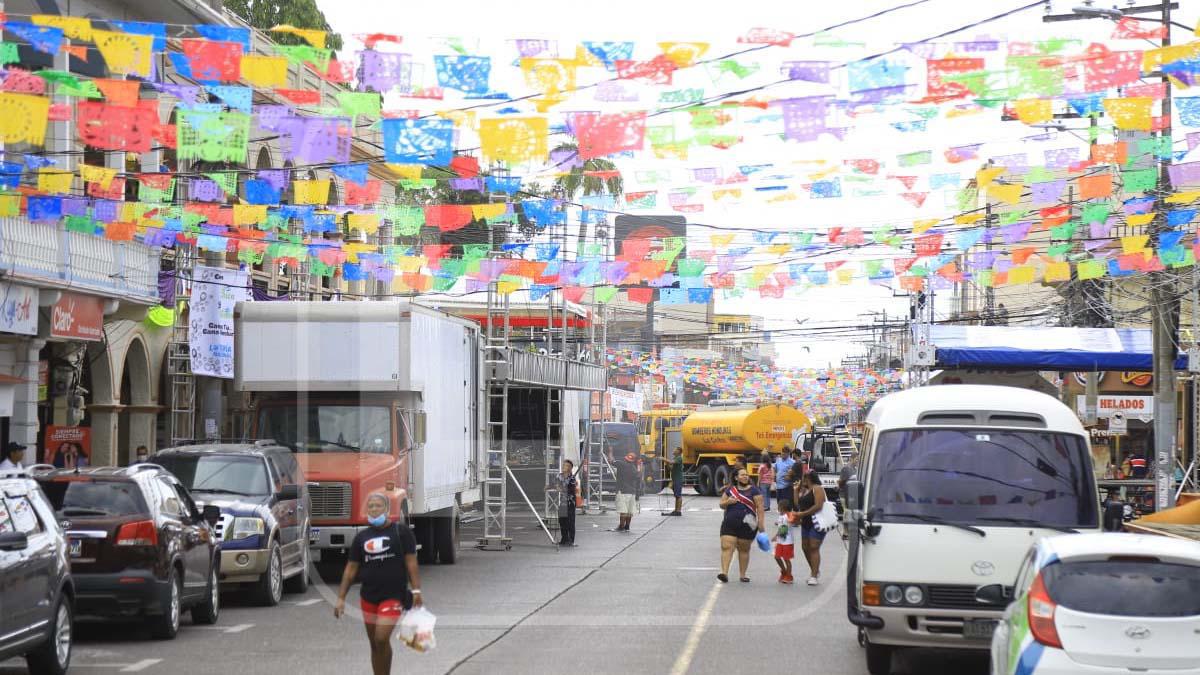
x=1130, y=114
x=1134, y=244
x=412, y=263
x=683, y=54
x=1033, y=110
x=1057, y=271
x=265, y=72
x=367, y=223
x=125, y=53
x=480, y=211
x=97, y=174
x=1183, y=197
x=315, y=38
x=1153, y=59
x=1009, y=194
x=55, y=182
x=311, y=191
x=923, y=225
x=10, y=205
x=1021, y=274
x=1139, y=219
x=406, y=171
x=720, y=241
x=24, y=118
x=968, y=218
x=249, y=214
x=74, y=27
x=845, y=275
x=984, y=177
x=779, y=249
x=507, y=287
x=514, y=139
x=353, y=249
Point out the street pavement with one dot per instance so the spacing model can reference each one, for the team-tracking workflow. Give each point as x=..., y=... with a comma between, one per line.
x=642, y=601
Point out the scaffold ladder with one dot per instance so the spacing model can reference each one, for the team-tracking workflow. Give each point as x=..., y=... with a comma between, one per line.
x=182, y=420
x=495, y=484
x=554, y=455
x=593, y=496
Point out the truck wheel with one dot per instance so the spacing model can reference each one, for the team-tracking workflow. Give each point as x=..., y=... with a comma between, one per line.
x=423, y=533
x=445, y=538
x=879, y=659
x=704, y=481
x=722, y=477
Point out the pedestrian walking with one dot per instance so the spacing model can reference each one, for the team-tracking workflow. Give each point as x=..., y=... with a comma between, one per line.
x=743, y=519
x=784, y=543
x=568, y=488
x=13, y=454
x=766, y=479
x=783, y=472
x=628, y=484
x=384, y=558
x=810, y=499
x=677, y=482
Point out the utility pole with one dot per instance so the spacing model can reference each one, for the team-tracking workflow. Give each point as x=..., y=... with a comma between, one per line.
x=1164, y=298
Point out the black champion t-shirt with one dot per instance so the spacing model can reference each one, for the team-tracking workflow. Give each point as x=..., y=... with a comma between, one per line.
x=380, y=553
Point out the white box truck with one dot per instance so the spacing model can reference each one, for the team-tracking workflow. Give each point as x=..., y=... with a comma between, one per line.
x=372, y=397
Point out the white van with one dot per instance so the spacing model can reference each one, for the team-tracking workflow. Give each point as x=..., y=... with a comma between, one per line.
x=955, y=482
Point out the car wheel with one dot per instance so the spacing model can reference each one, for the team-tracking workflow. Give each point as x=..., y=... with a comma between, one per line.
x=206, y=612
x=269, y=589
x=879, y=659
x=53, y=656
x=704, y=481
x=165, y=626
x=299, y=582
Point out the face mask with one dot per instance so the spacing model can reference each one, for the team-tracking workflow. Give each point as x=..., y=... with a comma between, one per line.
x=377, y=521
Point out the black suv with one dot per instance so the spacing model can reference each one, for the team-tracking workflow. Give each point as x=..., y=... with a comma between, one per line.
x=36, y=593
x=264, y=504
x=139, y=545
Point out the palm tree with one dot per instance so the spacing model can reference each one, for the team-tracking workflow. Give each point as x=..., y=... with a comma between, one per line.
x=591, y=177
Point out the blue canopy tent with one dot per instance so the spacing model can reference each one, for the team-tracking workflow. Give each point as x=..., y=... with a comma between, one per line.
x=1038, y=348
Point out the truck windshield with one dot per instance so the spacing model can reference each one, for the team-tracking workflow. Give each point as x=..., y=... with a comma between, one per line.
x=243, y=476
x=986, y=477
x=328, y=427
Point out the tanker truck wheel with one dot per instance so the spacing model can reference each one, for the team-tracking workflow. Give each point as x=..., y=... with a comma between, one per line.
x=704, y=481
x=723, y=476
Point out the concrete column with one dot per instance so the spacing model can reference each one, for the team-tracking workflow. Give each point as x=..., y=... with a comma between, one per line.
x=23, y=425
x=104, y=435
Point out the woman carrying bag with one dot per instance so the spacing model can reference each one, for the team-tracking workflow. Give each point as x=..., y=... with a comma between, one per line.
x=812, y=510
x=743, y=504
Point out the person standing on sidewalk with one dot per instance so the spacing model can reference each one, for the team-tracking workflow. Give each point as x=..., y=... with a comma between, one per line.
x=783, y=472
x=677, y=481
x=628, y=483
x=743, y=520
x=766, y=479
x=384, y=558
x=568, y=488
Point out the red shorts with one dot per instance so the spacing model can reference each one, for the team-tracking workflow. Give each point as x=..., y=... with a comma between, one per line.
x=785, y=551
x=391, y=610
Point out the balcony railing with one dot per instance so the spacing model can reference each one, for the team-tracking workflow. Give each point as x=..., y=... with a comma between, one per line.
x=46, y=254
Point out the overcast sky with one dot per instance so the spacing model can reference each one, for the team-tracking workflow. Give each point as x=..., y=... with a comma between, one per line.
x=489, y=28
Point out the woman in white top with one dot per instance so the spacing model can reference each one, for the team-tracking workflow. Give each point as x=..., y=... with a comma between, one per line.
x=13, y=454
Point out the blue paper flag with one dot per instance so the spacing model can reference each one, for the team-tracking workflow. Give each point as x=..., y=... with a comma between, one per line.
x=156, y=30
x=506, y=184
x=355, y=173
x=45, y=209
x=237, y=98
x=610, y=52
x=46, y=39
x=468, y=74
x=409, y=141
x=226, y=34
x=261, y=192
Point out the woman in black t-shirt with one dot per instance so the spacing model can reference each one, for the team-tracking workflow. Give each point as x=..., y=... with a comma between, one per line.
x=384, y=558
x=743, y=506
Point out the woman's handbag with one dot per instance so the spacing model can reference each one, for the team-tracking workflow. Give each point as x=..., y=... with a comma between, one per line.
x=826, y=519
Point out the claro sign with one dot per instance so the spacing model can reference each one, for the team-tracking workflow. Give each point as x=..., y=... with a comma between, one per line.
x=77, y=317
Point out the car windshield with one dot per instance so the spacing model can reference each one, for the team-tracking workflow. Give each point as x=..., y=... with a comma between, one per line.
x=95, y=497
x=1125, y=587
x=218, y=473
x=328, y=427
x=986, y=477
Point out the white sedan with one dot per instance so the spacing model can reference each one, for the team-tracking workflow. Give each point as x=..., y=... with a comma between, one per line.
x=1101, y=603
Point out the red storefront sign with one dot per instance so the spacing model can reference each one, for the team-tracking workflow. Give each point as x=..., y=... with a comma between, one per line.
x=77, y=317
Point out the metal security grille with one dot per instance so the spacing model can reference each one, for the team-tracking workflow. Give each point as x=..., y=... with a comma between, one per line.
x=955, y=597
x=330, y=500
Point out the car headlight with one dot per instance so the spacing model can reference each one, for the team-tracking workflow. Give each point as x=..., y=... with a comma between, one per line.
x=892, y=595
x=913, y=595
x=246, y=527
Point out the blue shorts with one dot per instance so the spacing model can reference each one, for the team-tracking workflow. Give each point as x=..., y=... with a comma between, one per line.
x=677, y=487
x=812, y=533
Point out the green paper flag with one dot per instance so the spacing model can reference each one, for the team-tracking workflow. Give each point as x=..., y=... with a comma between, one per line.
x=1058, y=250
x=475, y=251
x=1064, y=231
x=360, y=103
x=1096, y=212
x=8, y=53
x=1140, y=180
x=81, y=224
x=1090, y=269
x=605, y=293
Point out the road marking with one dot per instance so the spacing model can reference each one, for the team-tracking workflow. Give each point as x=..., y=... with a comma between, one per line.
x=140, y=665
x=227, y=629
x=684, y=660
x=306, y=603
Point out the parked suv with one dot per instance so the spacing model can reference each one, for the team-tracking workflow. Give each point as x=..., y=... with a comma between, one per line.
x=36, y=596
x=264, y=503
x=139, y=545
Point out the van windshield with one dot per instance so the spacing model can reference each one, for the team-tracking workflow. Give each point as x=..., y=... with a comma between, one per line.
x=988, y=477
x=328, y=427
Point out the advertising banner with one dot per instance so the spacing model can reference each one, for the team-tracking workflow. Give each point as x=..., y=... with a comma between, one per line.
x=215, y=292
x=68, y=447
x=18, y=309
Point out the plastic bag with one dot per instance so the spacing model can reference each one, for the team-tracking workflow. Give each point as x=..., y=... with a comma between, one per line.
x=416, y=630
x=764, y=543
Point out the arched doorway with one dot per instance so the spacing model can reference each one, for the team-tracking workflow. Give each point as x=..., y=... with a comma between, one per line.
x=136, y=409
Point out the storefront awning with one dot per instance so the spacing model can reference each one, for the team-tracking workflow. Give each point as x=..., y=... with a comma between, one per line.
x=1035, y=348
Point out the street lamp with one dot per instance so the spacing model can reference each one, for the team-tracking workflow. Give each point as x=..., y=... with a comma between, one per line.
x=1088, y=10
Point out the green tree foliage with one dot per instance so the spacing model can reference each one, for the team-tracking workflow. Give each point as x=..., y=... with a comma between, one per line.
x=577, y=182
x=265, y=14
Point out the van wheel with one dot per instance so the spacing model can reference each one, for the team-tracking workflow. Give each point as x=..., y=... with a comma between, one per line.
x=722, y=477
x=165, y=626
x=704, y=481
x=879, y=659
x=54, y=655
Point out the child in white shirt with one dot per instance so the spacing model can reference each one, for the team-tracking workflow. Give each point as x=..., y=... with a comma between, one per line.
x=783, y=544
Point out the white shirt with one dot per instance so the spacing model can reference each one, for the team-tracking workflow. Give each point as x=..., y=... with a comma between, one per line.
x=8, y=465
x=782, y=524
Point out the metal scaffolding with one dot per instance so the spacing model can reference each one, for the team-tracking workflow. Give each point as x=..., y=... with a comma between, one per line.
x=182, y=420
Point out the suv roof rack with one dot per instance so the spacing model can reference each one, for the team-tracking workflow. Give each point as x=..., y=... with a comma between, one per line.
x=229, y=441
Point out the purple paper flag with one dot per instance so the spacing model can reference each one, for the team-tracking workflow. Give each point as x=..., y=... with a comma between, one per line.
x=1016, y=232
x=278, y=178
x=384, y=71
x=806, y=71
x=1184, y=174
x=74, y=206
x=615, y=92
x=983, y=260
x=1061, y=158
x=804, y=118
x=1049, y=192
x=1017, y=161
x=528, y=48
x=565, y=160
x=1193, y=139
x=204, y=190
